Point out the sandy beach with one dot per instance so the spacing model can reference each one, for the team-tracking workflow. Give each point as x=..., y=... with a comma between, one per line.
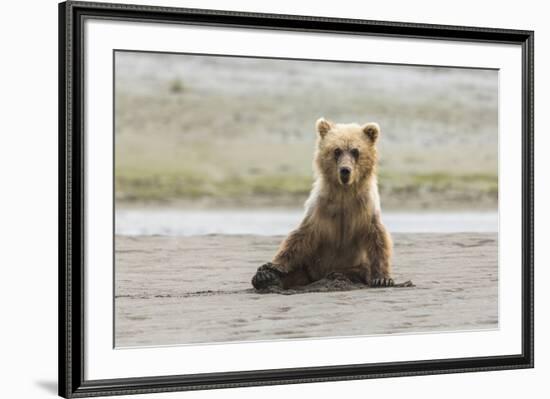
x=182, y=290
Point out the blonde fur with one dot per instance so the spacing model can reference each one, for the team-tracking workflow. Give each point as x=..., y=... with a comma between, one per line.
x=342, y=230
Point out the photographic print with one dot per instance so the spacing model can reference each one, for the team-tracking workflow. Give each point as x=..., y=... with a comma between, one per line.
x=256, y=199
x=274, y=199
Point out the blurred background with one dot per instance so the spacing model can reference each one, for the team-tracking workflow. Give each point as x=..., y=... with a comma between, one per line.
x=207, y=140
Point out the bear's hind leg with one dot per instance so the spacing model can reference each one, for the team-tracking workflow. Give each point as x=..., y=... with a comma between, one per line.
x=269, y=275
x=287, y=269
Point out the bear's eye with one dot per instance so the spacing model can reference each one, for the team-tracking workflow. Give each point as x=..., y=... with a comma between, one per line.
x=355, y=153
x=337, y=153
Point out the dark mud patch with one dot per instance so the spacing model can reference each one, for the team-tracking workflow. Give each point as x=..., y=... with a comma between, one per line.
x=477, y=243
x=340, y=283
x=324, y=285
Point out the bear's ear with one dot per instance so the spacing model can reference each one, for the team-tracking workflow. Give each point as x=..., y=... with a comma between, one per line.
x=323, y=126
x=372, y=131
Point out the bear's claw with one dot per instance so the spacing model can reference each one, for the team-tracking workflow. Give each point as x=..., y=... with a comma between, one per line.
x=381, y=282
x=266, y=276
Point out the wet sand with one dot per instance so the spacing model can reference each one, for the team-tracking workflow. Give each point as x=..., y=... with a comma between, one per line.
x=181, y=290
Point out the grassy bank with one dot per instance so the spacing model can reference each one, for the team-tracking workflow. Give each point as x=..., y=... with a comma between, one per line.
x=432, y=190
x=240, y=131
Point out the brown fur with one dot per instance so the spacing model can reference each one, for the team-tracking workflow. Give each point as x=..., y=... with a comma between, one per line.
x=342, y=230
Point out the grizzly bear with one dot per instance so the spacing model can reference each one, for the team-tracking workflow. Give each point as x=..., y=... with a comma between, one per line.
x=342, y=231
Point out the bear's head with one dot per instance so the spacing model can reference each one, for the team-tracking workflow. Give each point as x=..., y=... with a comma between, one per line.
x=346, y=153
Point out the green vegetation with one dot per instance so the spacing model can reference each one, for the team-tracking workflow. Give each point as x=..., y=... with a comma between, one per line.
x=417, y=190
x=441, y=182
x=177, y=86
x=237, y=132
x=185, y=187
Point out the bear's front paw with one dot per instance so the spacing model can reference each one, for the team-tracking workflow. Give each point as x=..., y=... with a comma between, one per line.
x=267, y=275
x=381, y=282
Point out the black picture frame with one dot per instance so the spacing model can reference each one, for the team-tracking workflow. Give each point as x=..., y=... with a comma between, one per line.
x=71, y=200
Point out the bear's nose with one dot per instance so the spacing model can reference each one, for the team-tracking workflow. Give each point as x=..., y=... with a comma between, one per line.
x=344, y=174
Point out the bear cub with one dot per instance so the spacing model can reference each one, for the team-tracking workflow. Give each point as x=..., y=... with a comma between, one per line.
x=342, y=231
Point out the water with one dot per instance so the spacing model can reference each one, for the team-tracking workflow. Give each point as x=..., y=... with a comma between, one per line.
x=176, y=222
